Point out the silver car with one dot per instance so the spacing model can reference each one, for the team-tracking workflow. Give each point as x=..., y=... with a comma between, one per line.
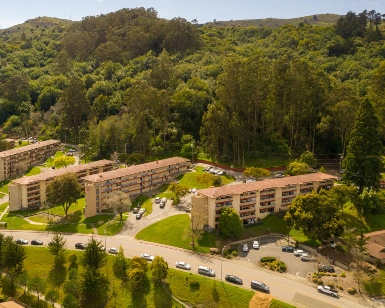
x=147, y=256
x=183, y=265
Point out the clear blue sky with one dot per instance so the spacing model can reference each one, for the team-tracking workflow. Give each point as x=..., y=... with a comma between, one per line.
x=14, y=12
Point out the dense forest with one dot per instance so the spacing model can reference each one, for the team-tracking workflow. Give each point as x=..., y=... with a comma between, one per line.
x=133, y=83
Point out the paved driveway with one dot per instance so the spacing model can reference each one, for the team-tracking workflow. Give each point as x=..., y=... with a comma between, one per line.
x=273, y=248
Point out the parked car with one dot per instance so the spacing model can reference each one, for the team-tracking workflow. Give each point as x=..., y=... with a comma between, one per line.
x=80, y=246
x=157, y=200
x=255, y=245
x=36, y=242
x=21, y=241
x=326, y=268
x=183, y=265
x=188, y=209
x=142, y=211
x=221, y=173
x=307, y=258
x=147, y=256
x=233, y=279
x=162, y=205
x=245, y=247
x=138, y=216
x=113, y=250
x=257, y=285
x=288, y=248
x=279, y=175
x=298, y=252
x=206, y=271
x=327, y=290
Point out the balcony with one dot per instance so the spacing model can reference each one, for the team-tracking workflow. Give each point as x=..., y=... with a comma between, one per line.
x=268, y=197
x=247, y=208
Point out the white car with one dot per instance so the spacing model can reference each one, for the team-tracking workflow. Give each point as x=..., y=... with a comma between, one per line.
x=142, y=211
x=183, y=265
x=113, y=250
x=157, y=200
x=298, y=252
x=147, y=256
x=255, y=245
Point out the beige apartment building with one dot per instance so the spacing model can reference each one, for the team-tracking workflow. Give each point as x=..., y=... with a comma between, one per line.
x=257, y=199
x=16, y=161
x=30, y=192
x=132, y=180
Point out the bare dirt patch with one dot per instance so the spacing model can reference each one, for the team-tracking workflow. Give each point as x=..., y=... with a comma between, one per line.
x=260, y=300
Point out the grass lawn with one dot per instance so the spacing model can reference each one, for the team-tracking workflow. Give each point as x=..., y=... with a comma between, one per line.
x=144, y=202
x=169, y=231
x=4, y=186
x=190, y=288
x=189, y=179
x=275, y=303
x=3, y=207
x=33, y=171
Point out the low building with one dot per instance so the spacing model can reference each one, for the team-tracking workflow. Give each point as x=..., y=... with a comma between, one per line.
x=16, y=161
x=376, y=247
x=258, y=199
x=30, y=192
x=132, y=180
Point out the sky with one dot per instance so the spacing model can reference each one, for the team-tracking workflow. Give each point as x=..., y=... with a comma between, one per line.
x=13, y=12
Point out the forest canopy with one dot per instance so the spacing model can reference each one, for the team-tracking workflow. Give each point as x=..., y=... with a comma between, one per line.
x=133, y=83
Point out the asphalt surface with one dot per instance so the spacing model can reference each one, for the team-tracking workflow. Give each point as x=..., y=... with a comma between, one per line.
x=289, y=288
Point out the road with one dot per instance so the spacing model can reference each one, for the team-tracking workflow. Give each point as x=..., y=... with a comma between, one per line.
x=286, y=287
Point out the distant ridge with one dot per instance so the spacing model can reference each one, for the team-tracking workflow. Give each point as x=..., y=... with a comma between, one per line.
x=317, y=19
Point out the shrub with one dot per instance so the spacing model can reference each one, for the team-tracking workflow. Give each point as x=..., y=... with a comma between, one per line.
x=234, y=253
x=268, y=259
x=343, y=274
x=228, y=257
x=331, y=285
x=194, y=285
x=282, y=266
x=352, y=291
x=320, y=282
x=334, y=275
x=341, y=288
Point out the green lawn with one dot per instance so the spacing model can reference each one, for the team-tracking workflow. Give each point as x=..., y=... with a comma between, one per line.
x=4, y=186
x=189, y=179
x=187, y=287
x=144, y=202
x=169, y=231
x=278, y=304
x=375, y=286
x=33, y=171
x=3, y=207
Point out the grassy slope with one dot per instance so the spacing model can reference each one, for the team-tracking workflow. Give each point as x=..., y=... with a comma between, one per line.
x=206, y=292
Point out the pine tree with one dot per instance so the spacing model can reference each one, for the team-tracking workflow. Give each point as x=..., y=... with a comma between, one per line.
x=363, y=160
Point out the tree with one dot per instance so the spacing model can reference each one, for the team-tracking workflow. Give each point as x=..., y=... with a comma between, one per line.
x=94, y=289
x=63, y=161
x=179, y=191
x=297, y=168
x=317, y=215
x=64, y=190
x=256, y=172
x=70, y=301
x=308, y=158
x=57, y=244
x=205, y=179
x=230, y=224
x=119, y=202
x=159, y=268
x=196, y=228
x=12, y=258
x=94, y=257
x=52, y=296
x=137, y=279
x=362, y=163
x=37, y=285
x=120, y=265
x=23, y=280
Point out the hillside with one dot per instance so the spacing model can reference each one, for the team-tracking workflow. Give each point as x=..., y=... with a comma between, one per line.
x=317, y=20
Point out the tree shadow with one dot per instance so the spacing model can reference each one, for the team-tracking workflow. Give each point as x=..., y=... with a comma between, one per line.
x=214, y=292
x=161, y=298
x=57, y=276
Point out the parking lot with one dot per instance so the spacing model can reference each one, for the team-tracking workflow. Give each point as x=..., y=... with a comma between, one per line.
x=272, y=248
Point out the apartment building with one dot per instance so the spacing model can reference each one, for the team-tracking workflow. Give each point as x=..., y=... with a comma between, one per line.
x=257, y=199
x=132, y=180
x=30, y=192
x=16, y=161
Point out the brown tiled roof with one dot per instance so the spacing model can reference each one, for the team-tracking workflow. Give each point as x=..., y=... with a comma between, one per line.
x=377, y=237
x=375, y=250
x=54, y=173
x=10, y=304
x=113, y=174
x=238, y=189
x=27, y=148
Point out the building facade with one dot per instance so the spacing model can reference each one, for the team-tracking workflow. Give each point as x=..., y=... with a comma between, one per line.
x=256, y=200
x=132, y=180
x=16, y=161
x=30, y=192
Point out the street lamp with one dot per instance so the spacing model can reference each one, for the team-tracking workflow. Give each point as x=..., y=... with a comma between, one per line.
x=341, y=158
x=221, y=260
x=11, y=224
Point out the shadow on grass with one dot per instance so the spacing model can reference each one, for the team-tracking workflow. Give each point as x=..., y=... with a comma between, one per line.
x=138, y=297
x=161, y=298
x=354, y=222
